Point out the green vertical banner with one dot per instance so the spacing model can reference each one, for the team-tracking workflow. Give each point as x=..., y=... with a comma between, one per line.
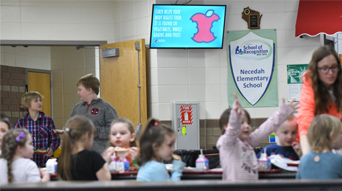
x=252, y=67
x=294, y=80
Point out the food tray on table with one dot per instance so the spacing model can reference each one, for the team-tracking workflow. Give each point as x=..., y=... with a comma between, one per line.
x=193, y=170
x=293, y=163
x=269, y=171
x=284, y=163
x=215, y=171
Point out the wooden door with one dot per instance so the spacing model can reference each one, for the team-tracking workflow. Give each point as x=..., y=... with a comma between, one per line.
x=119, y=80
x=41, y=82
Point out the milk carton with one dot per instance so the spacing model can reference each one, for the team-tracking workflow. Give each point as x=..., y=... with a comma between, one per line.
x=120, y=166
x=51, y=166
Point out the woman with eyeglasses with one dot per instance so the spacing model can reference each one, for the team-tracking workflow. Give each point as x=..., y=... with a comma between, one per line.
x=321, y=91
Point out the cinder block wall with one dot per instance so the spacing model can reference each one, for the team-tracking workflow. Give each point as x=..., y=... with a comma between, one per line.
x=12, y=87
x=210, y=131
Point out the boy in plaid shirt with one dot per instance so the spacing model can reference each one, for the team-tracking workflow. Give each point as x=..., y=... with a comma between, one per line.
x=40, y=126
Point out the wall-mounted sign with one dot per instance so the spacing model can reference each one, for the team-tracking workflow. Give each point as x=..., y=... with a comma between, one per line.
x=294, y=80
x=252, y=17
x=186, y=114
x=252, y=67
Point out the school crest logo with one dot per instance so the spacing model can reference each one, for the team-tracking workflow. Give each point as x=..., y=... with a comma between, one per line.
x=252, y=63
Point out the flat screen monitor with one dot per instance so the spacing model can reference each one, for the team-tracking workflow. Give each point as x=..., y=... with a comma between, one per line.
x=187, y=26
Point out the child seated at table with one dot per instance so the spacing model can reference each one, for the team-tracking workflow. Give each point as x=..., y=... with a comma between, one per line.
x=5, y=125
x=15, y=162
x=286, y=134
x=157, y=145
x=122, y=135
x=324, y=134
x=237, y=156
x=77, y=161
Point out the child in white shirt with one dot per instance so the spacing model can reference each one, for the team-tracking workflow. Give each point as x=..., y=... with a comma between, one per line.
x=15, y=162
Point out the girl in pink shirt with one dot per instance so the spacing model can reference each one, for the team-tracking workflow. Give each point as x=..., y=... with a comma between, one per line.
x=237, y=157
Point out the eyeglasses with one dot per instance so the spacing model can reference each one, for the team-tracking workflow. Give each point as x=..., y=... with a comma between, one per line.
x=326, y=69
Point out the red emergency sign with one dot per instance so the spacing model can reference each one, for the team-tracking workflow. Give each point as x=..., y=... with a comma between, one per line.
x=186, y=114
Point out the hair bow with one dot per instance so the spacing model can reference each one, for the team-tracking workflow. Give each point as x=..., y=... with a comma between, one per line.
x=66, y=129
x=20, y=136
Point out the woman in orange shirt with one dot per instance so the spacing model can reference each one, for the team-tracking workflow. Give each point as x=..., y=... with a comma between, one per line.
x=321, y=91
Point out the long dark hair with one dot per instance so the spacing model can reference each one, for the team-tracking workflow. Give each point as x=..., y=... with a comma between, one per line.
x=154, y=133
x=321, y=93
x=75, y=128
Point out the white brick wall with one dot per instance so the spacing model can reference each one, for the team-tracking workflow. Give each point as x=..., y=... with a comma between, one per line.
x=30, y=57
x=176, y=75
x=212, y=65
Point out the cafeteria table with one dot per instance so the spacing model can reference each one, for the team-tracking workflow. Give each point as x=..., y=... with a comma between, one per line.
x=209, y=175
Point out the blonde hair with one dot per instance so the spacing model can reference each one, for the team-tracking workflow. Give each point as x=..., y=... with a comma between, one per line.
x=10, y=142
x=129, y=127
x=75, y=128
x=89, y=81
x=323, y=131
x=28, y=97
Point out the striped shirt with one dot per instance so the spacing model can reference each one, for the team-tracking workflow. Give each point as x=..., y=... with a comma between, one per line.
x=42, y=133
x=237, y=158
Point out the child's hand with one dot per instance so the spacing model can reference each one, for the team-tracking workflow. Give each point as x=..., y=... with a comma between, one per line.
x=107, y=156
x=110, y=150
x=236, y=105
x=292, y=104
x=44, y=175
x=134, y=152
x=176, y=157
x=108, y=153
x=49, y=152
x=296, y=148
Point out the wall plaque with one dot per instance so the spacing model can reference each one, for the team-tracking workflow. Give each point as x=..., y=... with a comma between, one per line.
x=252, y=18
